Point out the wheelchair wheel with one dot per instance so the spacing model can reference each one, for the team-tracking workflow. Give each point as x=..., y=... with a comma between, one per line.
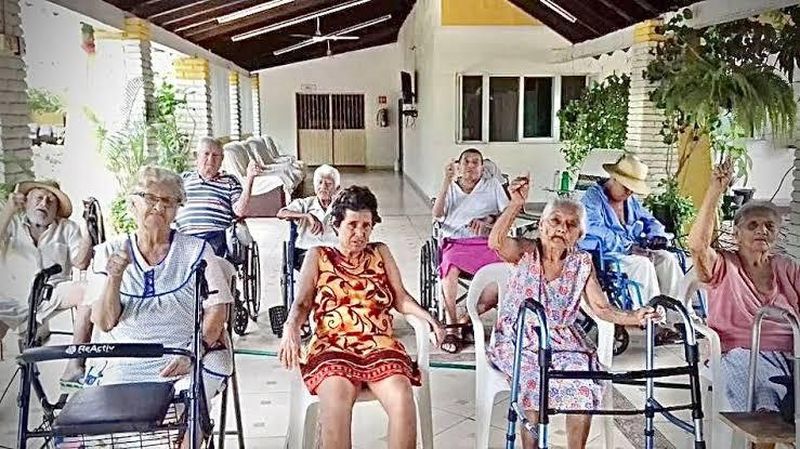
x=240, y=317
x=424, y=298
x=621, y=340
x=251, y=282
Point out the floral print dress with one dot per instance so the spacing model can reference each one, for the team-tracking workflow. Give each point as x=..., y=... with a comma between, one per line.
x=354, y=337
x=571, y=348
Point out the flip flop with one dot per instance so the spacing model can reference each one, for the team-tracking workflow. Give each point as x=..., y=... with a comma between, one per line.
x=451, y=341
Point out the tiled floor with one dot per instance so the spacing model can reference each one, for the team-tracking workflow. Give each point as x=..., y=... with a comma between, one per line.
x=265, y=386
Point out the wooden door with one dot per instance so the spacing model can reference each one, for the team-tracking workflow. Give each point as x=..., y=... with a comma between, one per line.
x=349, y=135
x=314, y=141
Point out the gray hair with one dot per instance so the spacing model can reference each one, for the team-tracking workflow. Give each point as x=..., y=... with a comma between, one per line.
x=567, y=204
x=207, y=142
x=757, y=207
x=149, y=175
x=327, y=171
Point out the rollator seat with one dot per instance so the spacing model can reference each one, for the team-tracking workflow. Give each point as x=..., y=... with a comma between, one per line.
x=119, y=408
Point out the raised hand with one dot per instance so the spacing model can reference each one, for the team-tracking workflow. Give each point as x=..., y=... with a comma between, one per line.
x=117, y=263
x=722, y=175
x=450, y=170
x=314, y=225
x=519, y=188
x=16, y=201
x=253, y=169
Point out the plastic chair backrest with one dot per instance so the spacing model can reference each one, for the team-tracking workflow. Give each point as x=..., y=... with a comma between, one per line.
x=272, y=148
x=258, y=149
x=492, y=273
x=236, y=159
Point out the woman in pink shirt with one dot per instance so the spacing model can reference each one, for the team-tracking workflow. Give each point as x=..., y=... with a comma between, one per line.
x=739, y=284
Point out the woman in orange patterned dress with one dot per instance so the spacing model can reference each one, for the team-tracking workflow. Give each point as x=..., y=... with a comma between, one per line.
x=351, y=289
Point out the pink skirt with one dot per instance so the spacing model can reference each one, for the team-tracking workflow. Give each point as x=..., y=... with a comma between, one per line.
x=468, y=255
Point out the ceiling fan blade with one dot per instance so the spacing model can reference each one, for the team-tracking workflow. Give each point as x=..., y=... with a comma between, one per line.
x=304, y=36
x=344, y=38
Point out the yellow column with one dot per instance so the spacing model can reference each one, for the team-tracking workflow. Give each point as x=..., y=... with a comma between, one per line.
x=193, y=75
x=235, y=105
x=255, y=89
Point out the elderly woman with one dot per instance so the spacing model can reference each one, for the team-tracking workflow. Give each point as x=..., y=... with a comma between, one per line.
x=311, y=212
x=552, y=271
x=351, y=289
x=739, y=283
x=466, y=207
x=142, y=290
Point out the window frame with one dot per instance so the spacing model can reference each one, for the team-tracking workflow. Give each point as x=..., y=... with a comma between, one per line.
x=555, y=125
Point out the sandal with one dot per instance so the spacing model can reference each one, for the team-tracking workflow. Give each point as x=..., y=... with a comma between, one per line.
x=451, y=344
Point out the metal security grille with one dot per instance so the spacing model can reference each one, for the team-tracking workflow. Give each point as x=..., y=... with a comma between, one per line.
x=348, y=111
x=313, y=111
x=331, y=129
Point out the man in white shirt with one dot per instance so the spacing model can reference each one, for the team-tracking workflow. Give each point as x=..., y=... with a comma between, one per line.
x=36, y=233
x=310, y=214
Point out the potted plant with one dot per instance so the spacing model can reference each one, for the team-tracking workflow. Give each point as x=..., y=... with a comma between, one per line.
x=596, y=120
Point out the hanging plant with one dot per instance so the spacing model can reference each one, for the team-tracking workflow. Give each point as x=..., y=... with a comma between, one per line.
x=598, y=119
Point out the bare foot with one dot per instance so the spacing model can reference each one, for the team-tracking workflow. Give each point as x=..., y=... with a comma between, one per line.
x=74, y=372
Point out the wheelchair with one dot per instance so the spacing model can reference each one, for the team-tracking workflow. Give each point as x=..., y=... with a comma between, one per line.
x=646, y=378
x=291, y=262
x=136, y=415
x=244, y=255
x=93, y=216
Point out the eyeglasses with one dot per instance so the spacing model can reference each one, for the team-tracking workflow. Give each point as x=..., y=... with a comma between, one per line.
x=152, y=200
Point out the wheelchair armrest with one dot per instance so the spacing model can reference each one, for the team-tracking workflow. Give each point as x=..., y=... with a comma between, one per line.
x=97, y=350
x=422, y=333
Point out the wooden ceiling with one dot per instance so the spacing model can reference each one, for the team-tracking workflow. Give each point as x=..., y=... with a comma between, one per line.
x=196, y=21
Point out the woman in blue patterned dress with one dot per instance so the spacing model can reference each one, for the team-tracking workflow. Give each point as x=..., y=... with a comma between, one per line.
x=552, y=271
x=142, y=290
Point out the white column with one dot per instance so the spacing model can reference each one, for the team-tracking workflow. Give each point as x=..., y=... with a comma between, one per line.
x=256, y=92
x=236, y=105
x=792, y=242
x=15, y=144
x=136, y=48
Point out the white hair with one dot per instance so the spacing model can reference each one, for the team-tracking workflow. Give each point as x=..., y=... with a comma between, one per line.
x=207, y=142
x=149, y=175
x=567, y=204
x=757, y=207
x=327, y=171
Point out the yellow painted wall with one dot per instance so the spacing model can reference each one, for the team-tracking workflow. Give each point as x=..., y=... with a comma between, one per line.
x=484, y=12
x=696, y=175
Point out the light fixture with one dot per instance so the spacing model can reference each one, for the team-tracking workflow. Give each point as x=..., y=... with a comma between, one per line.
x=559, y=10
x=341, y=32
x=296, y=20
x=252, y=10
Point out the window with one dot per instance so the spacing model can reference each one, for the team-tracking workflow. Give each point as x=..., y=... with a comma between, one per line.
x=538, y=108
x=503, y=109
x=519, y=107
x=472, y=108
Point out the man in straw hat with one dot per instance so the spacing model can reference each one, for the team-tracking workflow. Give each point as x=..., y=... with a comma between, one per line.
x=35, y=233
x=618, y=222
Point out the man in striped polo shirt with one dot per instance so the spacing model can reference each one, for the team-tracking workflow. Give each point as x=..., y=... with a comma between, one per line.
x=213, y=199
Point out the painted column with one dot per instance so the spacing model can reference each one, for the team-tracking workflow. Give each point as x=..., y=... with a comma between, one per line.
x=255, y=91
x=15, y=144
x=136, y=49
x=193, y=76
x=644, y=119
x=792, y=228
x=235, y=104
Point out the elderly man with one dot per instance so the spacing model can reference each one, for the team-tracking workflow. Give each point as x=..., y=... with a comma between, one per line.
x=618, y=223
x=35, y=233
x=213, y=199
x=311, y=214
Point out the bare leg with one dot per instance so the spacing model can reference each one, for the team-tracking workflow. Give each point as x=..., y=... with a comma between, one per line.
x=578, y=430
x=528, y=441
x=394, y=394
x=81, y=329
x=450, y=292
x=336, y=398
x=488, y=299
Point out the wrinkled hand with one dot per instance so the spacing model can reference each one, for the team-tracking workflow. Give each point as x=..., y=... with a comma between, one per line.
x=117, y=263
x=478, y=226
x=16, y=202
x=519, y=188
x=722, y=176
x=253, y=169
x=178, y=366
x=450, y=170
x=289, y=351
x=314, y=225
x=637, y=250
x=641, y=315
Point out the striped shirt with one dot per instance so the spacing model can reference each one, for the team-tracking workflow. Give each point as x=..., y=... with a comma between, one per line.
x=209, y=203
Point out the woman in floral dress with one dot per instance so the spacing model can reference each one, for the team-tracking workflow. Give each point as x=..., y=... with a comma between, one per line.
x=552, y=271
x=350, y=290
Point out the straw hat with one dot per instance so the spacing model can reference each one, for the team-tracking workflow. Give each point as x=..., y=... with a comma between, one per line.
x=64, y=204
x=630, y=172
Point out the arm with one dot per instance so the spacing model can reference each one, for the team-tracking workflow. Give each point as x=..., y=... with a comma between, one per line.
x=240, y=204
x=702, y=233
x=440, y=204
x=304, y=300
x=80, y=247
x=596, y=224
x=652, y=227
x=511, y=249
x=108, y=308
x=15, y=203
x=403, y=302
x=604, y=310
x=214, y=318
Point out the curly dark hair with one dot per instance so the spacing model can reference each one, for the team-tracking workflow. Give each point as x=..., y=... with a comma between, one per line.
x=355, y=198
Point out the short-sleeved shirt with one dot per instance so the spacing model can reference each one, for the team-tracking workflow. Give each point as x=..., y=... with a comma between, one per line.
x=734, y=300
x=24, y=258
x=305, y=238
x=488, y=197
x=209, y=203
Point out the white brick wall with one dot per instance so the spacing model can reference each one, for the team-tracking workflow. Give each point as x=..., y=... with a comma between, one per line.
x=235, y=104
x=644, y=120
x=196, y=121
x=15, y=144
x=138, y=64
x=792, y=228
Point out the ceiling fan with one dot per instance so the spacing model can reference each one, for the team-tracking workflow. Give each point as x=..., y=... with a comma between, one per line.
x=319, y=37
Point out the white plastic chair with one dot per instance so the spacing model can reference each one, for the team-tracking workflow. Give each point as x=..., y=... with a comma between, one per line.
x=489, y=382
x=303, y=410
